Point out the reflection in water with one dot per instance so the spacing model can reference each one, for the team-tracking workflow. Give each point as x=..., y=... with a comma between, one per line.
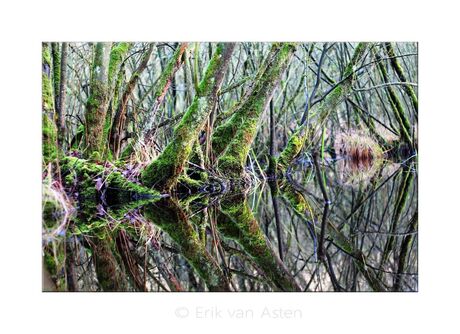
x=264, y=239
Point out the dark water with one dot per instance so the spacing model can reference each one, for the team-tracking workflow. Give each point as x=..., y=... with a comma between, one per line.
x=267, y=238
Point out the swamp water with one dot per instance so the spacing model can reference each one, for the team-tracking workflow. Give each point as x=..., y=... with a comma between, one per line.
x=267, y=238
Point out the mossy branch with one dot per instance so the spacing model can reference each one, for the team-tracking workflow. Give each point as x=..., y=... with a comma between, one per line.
x=303, y=209
x=236, y=222
x=239, y=131
x=396, y=106
x=168, y=215
x=402, y=76
x=165, y=170
x=330, y=103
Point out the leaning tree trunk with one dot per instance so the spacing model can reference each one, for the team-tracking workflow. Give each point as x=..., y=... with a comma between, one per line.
x=395, y=102
x=115, y=78
x=173, y=220
x=236, y=222
x=297, y=141
x=161, y=88
x=401, y=75
x=119, y=120
x=96, y=106
x=241, y=128
x=166, y=169
x=165, y=80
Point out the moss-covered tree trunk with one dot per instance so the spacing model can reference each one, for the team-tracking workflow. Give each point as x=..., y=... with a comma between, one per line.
x=96, y=106
x=166, y=169
x=298, y=140
x=107, y=262
x=401, y=75
x=146, y=131
x=164, y=81
x=56, y=60
x=62, y=95
x=236, y=222
x=119, y=121
x=172, y=219
x=395, y=103
x=234, y=138
x=49, y=131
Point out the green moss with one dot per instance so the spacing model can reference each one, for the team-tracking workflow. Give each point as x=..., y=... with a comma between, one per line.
x=56, y=67
x=50, y=209
x=291, y=151
x=357, y=55
x=54, y=263
x=47, y=94
x=49, y=139
x=169, y=70
x=46, y=54
x=237, y=222
x=87, y=172
x=117, y=54
x=96, y=105
x=297, y=201
x=163, y=172
x=241, y=129
x=107, y=259
x=169, y=217
x=190, y=183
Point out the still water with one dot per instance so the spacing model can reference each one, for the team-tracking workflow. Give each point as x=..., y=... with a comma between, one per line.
x=275, y=236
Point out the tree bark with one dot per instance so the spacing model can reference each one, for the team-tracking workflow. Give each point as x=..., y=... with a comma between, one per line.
x=119, y=120
x=166, y=169
x=161, y=88
x=49, y=131
x=402, y=77
x=398, y=110
x=168, y=215
x=297, y=141
x=236, y=222
x=62, y=95
x=242, y=126
x=96, y=106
